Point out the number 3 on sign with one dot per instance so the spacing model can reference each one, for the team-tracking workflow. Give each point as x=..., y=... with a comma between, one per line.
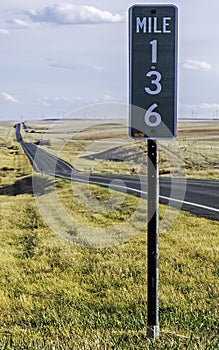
x=152, y=118
x=155, y=81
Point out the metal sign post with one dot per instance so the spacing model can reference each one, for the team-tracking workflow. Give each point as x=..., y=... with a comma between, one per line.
x=153, y=104
x=153, y=217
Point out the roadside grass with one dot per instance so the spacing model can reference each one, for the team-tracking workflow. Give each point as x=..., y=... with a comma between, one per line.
x=192, y=159
x=14, y=163
x=58, y=295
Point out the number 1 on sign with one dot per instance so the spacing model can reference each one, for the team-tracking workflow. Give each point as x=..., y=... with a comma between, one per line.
x=154, y=51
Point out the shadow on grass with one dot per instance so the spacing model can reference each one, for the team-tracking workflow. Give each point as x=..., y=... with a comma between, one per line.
x=24, y=186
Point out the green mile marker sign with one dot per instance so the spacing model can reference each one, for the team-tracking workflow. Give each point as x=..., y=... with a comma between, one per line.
x=153, y=70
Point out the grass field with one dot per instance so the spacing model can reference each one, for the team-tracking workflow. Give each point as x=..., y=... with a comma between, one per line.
x=56, y=294
x=104, y=147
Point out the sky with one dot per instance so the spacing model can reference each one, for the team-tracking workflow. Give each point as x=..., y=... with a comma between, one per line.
x=57, y=56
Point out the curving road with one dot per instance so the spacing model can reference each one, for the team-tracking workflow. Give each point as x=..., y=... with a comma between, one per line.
x=200, y=197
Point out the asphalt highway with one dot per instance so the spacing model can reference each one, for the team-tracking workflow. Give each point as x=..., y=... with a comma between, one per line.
x=199, y=197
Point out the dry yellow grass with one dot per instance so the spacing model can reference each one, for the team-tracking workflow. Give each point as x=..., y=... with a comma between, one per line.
x=106, y=147
x=58, y=295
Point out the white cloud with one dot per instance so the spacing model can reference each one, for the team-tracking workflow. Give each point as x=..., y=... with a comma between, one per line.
x=4, y=31
x=56, y=101
x=19, y=23
x=109, y=98
x=196, y=65
x=66, y=13
x=202, y=106
x=73, y=66
x=5, y=97
x=210, y=105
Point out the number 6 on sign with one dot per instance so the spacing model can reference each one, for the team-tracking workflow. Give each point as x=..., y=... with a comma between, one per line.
x=156, y=117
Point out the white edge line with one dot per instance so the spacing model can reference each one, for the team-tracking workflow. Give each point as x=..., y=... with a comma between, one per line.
x=28, y=155
x=139, y=191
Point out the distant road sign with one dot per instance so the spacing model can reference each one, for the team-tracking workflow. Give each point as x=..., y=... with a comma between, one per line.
x=153, y=70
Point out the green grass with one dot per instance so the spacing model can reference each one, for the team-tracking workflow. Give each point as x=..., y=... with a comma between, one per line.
x=58, y=295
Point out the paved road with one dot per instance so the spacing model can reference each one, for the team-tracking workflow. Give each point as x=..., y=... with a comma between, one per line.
x=200, y=197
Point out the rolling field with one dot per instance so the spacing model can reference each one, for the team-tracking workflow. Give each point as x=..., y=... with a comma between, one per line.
x=56, y=294
x=99, y=146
